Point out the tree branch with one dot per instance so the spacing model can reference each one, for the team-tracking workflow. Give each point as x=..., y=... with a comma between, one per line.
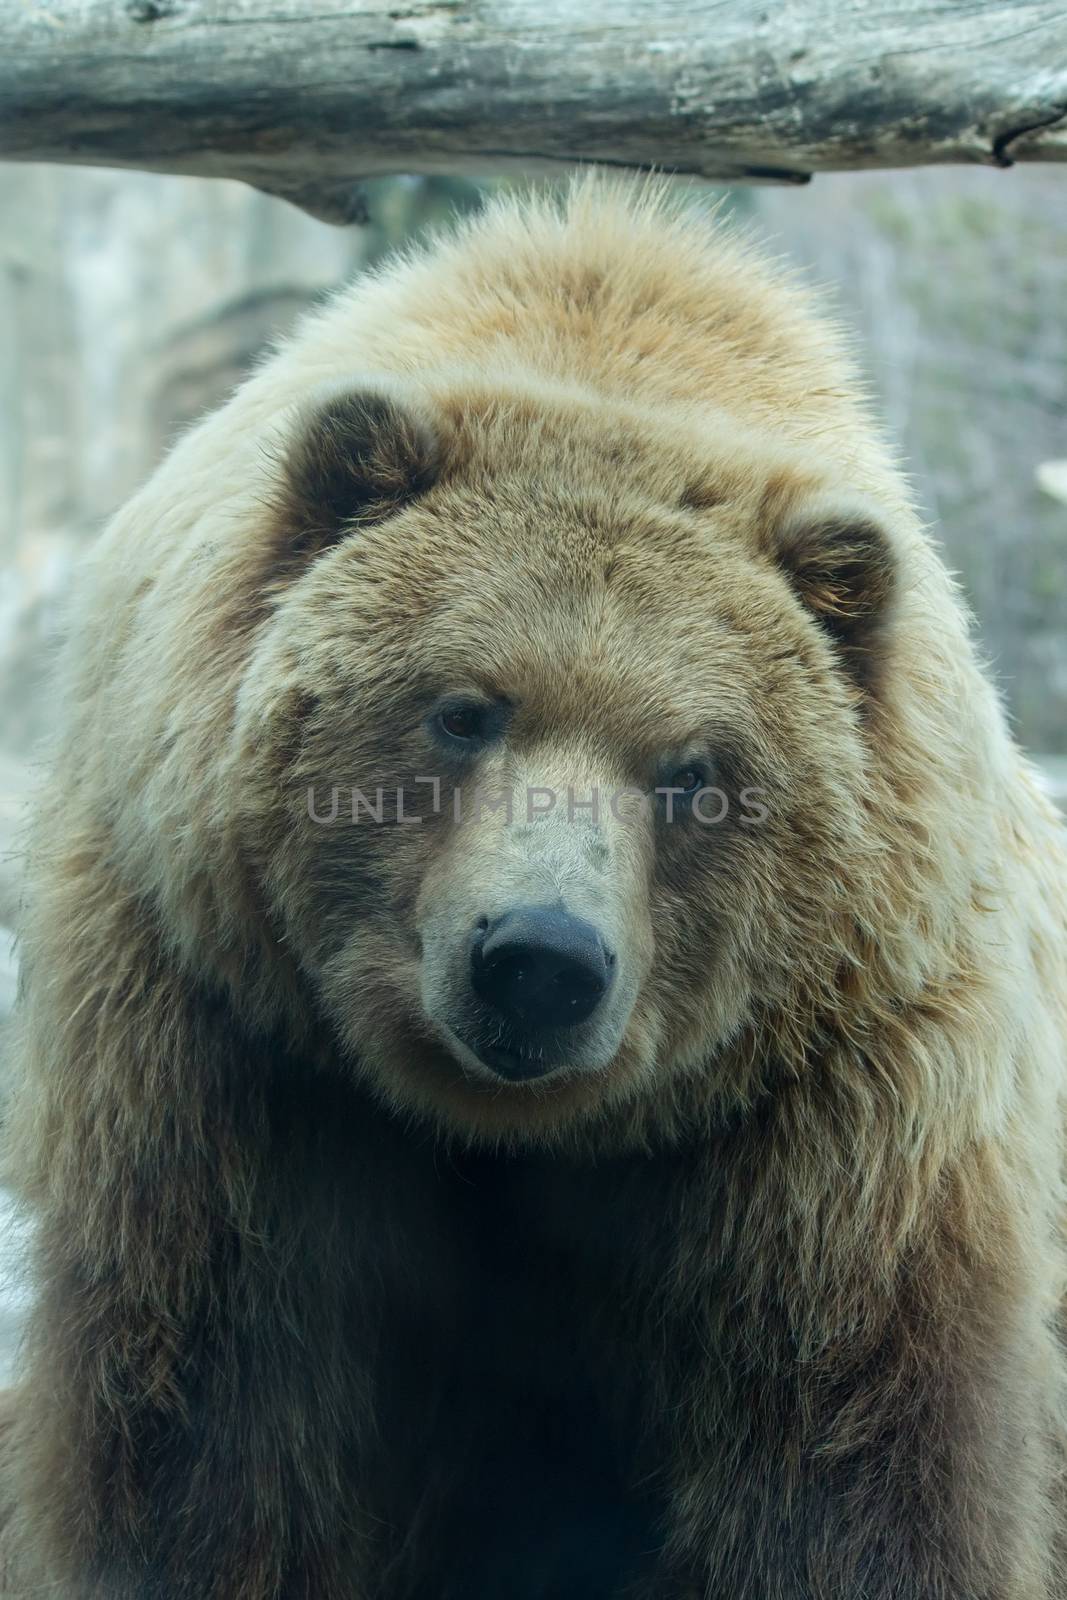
x=305, y=97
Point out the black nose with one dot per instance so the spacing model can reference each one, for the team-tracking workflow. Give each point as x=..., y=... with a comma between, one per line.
x=541, y=968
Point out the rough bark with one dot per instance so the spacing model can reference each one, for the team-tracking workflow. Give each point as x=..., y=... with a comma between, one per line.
x=304, y=101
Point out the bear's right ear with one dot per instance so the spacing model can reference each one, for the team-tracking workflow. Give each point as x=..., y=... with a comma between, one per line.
x=357, y=457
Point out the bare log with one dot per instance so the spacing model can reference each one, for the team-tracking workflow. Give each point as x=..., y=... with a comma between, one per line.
x=303, y=98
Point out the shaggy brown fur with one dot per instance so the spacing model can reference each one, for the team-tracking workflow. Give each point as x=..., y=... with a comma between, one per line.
x=755, y=1296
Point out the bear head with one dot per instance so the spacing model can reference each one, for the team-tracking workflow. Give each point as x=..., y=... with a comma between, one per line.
x=560, y=728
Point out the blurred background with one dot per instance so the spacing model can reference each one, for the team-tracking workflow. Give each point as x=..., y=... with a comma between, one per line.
x=131, y=303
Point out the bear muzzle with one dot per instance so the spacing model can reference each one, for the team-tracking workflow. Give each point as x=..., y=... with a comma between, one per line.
x=535, y=971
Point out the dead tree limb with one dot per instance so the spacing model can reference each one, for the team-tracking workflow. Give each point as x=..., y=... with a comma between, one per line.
x=305, y=97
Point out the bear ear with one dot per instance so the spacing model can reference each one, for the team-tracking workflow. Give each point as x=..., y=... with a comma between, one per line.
x=838, y=558
x=357, y=457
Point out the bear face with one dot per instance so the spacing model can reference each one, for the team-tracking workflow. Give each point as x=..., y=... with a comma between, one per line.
x=548, y=715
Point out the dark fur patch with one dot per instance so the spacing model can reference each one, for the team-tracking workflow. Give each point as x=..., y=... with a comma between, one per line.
x=358, y=458
x=704, y=492
x=840, y=563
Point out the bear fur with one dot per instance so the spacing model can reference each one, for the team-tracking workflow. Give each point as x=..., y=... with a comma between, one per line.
x=751, y=1292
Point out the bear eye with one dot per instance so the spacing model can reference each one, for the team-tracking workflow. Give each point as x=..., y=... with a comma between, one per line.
x=688, y=780
x=462, y=722
x=471, y=722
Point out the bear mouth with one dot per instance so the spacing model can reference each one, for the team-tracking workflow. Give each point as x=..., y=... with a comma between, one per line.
x=503, y=1055
x=492, y=1053
x=513, y=1063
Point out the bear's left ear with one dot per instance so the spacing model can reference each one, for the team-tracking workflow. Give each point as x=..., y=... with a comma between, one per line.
x=358, y=455
x=838, y=557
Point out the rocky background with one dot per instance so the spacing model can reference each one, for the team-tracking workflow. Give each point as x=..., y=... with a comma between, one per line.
x=131, y=303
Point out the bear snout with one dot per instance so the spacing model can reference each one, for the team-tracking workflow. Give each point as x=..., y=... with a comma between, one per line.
x=539, y=968
x=532, y=990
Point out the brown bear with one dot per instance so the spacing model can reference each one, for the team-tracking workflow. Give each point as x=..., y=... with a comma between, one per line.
x=543, y=1040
